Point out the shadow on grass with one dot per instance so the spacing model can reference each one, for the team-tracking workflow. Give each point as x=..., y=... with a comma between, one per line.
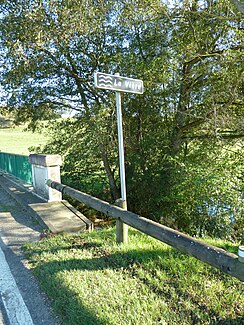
x=131, y=261
x=228, y=321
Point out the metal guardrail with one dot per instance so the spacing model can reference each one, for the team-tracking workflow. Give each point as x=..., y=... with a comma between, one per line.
x=17, y=165
x=217, y=257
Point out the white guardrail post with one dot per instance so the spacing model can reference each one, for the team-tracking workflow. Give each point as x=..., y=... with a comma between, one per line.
x=46, y=167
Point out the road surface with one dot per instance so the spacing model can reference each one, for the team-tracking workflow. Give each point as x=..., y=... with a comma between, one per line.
x=21, y=302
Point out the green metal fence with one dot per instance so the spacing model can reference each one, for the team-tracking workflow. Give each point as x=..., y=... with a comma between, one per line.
x=17, y=165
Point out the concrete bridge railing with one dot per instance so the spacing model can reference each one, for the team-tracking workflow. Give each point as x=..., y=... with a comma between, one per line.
x=45, y=167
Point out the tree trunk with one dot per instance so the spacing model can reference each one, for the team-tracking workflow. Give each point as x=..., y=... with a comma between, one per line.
x=115, y=193
x=180, y=120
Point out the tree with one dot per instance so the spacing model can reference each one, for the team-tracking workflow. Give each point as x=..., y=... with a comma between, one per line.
x=51, y=51
x=190, y=58
x=45, y=58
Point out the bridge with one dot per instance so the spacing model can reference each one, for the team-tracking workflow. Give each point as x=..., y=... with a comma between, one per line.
x=44, y=198
x=25, y=182
x=21, y=301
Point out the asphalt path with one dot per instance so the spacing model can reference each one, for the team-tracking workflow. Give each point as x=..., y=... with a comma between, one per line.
x=21, y=300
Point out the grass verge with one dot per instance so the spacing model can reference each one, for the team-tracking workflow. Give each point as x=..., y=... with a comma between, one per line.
x=17, y=140
x=92, y=280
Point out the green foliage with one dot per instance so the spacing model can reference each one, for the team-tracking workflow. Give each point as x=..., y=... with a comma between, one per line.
x=80, y=142
x=207, y=192
x=190, y=56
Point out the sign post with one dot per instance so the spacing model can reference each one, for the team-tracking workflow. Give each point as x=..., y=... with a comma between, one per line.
x=121, y=147
x=120, y=84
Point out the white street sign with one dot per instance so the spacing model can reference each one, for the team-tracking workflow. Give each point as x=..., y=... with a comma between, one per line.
x=118, y=83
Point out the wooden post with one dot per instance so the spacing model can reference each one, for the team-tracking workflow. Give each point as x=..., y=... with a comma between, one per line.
x=121, y=228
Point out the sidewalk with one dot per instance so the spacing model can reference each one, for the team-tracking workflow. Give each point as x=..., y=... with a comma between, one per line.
x=17, y=227
x=56, y=216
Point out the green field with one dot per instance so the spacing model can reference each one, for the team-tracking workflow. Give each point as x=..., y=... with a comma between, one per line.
x=92, y=280
x=17, y=140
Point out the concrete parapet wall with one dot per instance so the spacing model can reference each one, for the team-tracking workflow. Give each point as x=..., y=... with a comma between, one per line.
x=45, y=160
x=46, y=167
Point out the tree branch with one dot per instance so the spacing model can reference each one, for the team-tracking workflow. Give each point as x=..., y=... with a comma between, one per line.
x=238, y=5
x=219, y=135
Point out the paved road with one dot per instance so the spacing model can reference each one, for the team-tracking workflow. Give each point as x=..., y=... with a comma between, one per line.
x=21, y=302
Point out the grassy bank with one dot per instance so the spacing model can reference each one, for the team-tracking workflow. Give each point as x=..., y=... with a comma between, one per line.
x=17, y=140
x=92, y=280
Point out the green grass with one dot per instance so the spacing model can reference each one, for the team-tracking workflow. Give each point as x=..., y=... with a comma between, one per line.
x=16, y=140
x=92, y=280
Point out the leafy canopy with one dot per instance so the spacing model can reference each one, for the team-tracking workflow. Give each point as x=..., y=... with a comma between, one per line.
x=183, y=137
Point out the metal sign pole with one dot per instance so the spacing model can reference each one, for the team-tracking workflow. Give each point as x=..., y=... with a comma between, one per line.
x=129, y=85
x=121, y=228
x=121, y=147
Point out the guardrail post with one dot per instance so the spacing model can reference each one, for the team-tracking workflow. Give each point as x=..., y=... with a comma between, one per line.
x=241, y=254
x=121, y=228
x=46, y=167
